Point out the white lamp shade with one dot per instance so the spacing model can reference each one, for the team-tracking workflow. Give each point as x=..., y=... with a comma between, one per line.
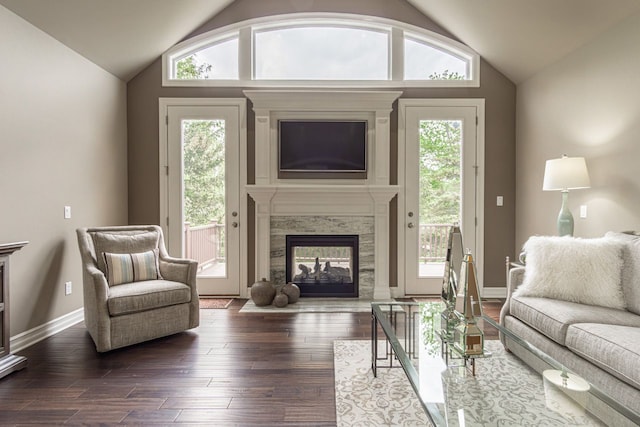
x=566, y=173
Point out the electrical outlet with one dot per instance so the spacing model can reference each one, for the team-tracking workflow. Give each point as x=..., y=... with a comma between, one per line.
x=68, y=288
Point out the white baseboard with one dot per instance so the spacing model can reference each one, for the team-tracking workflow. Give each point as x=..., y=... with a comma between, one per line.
x=486, y=293
x=32, y=336
x=494, y=292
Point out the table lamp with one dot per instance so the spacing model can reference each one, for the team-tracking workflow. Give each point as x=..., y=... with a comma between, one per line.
x=564, y=174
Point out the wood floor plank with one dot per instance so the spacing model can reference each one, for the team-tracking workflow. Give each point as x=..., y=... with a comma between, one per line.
x=196, y=403
x=234, y=369
x=97, y=416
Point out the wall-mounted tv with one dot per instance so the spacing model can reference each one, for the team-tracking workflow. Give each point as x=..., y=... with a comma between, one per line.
x=322, y=149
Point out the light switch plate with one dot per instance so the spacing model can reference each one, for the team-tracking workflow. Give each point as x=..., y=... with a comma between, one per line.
x=499, y=201
x=67, y=212
x=583, y=211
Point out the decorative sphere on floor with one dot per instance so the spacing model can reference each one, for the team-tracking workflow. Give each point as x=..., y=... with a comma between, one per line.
x=280, y=300
x=292, y=291
x=262, y=292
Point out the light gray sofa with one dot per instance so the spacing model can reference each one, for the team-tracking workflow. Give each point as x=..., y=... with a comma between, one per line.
x=601, y=344
x=129, y=313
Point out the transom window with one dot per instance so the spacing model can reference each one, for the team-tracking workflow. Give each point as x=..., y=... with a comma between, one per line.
x=425, y=61
x=321, y=50
x=216, y=61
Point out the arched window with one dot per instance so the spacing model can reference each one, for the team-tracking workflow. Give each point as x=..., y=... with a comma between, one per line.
x=215, y=61
x=427, y=61
x=321, y=50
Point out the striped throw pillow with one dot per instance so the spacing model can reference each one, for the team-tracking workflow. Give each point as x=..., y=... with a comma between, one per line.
x=127, y=268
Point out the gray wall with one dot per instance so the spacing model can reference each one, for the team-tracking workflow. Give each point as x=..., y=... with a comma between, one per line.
x=63, y=142
x=145, y=89
x=587, y=104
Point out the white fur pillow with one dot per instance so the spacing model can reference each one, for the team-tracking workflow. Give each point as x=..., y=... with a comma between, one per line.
x=585, y=271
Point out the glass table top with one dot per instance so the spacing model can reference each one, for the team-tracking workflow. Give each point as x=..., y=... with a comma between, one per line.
x=491, y=387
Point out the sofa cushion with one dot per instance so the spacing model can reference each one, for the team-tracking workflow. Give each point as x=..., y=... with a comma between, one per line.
x=630, y=268
x=122, y=242
x=552, y=317
x=616, y=349
x=147, y=295
x=126, y=268
x=586, y=271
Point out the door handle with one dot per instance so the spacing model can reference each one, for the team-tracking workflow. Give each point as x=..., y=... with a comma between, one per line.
x=234, y=224
x=410, y=225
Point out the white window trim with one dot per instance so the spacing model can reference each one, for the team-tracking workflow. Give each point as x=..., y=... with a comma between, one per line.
x=479, y=104
x=163, y=165
x=395, y=28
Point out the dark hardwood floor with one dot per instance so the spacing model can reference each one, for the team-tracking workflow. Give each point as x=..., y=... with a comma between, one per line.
x=235, y=369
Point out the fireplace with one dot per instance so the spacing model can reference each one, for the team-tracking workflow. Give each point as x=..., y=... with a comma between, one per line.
x=319, y=206
x=323, y=265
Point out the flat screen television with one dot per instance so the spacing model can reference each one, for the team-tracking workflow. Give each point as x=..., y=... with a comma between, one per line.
x=322, y=148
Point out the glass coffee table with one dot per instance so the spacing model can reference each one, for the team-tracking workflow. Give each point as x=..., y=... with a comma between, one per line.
x=494, y=388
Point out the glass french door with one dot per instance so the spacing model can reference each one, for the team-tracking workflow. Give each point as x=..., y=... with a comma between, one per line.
x=440, y=165
x=203, y=193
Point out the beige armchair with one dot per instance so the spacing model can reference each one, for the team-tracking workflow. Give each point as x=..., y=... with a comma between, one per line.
x=133, y=290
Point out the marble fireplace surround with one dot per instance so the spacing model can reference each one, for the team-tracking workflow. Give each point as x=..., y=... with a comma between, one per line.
x=323, y=206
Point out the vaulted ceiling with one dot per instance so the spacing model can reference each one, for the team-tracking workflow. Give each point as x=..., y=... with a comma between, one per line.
x=518, y=37
x=121, y=36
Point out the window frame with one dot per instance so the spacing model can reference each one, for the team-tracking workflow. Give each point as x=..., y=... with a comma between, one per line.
x=317, y=23
x=194, y=49
x=245, y=30
x=437, y=45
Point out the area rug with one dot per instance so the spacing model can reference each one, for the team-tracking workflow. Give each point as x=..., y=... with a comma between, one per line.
x=362, y=400
x=215, y=302
x=389, y=400
x=313, y=305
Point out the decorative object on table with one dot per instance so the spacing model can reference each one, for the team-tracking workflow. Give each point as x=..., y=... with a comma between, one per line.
x=453, y=263
x=564, y=174
x=565, y=392
x=280, y=300
x=468, y=338
x=431, y=336
x=292, y=291
x=263, y=292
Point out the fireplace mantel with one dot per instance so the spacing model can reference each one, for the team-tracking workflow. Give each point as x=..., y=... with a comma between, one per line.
x=347, y=200
x=368, y=197
x=327, y=200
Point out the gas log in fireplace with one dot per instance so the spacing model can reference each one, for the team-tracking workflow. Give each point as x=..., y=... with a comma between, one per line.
x=322, y=265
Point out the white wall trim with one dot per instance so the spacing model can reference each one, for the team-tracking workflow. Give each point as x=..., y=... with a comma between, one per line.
x=479, y=104
x=494, y=292
x=37, y=334
x=163, y=111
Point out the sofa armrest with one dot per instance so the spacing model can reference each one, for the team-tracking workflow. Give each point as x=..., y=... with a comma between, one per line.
x=99, y=283
x=183, y=271
x=516, y=275
x=96, y=311
x=178, y=270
